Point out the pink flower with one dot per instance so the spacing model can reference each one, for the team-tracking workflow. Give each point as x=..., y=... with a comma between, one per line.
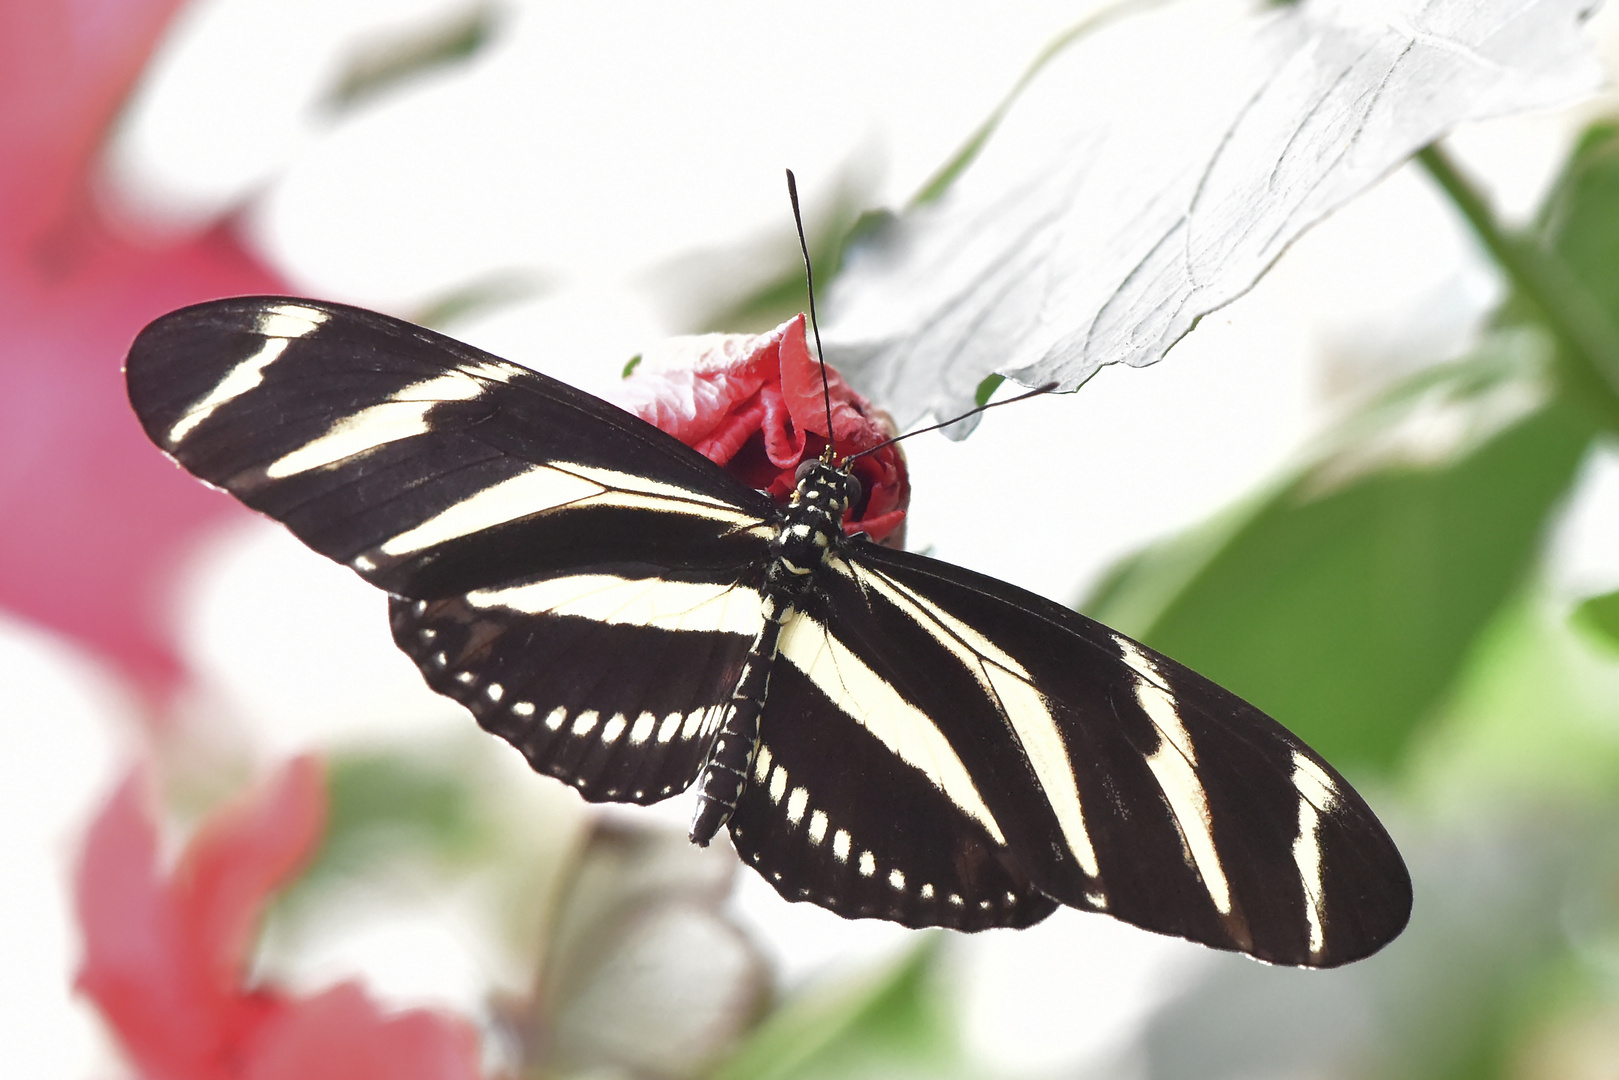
x=167, y=953
x=91, y=519
x=754, y=404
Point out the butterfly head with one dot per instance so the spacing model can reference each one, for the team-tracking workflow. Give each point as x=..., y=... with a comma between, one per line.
x=824, y=490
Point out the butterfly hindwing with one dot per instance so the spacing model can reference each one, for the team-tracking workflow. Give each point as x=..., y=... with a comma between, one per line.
x=621, y=702
x=832, y=816
x=1089, y=769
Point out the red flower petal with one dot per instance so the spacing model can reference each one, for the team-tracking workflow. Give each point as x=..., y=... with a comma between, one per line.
x=152, y=962
x=755, y=404
x=801, y=387
x=239, y=859
x=167, y=957
x=341, y=1035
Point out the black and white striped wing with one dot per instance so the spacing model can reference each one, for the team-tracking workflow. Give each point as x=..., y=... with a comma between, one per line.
x=587, y=585
x=613, y=684
x=941, y=748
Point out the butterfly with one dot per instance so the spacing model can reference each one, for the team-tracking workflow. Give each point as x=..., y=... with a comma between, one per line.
x=881, y=733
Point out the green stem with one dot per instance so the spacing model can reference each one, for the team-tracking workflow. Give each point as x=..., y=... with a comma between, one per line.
x=1590, y=339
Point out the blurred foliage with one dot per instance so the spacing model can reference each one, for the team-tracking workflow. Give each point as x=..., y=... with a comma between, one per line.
x=381, y=66
x=394, y=803
x=1410, y=559
x=1579, y=219
x=1411, y=549
x=1534, y=717
x=492, y=291
x=408, y=821
x=626, y=962
x=1479, y=966
x=1599, y=616
x=643, y=973
x=784, y=294
x=891, y=1023
x=1387, y=602
x=1511, y=828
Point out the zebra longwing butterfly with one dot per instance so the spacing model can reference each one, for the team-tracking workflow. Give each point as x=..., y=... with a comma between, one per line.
x=883, y=734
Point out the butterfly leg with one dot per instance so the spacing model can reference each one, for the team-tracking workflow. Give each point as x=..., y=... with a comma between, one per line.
x=730, y=760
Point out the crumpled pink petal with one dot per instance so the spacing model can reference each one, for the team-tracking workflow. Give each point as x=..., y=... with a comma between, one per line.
x=755, y=404
x=167, y=955
x=93, y=520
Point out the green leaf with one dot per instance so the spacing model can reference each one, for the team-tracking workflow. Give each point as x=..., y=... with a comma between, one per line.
x=1580, y=217
x=489, y=292
x=388, y=804
x=1533, y=719
x=1598, y=616
x=986, y=389
x=780, y=297
x=1562, y=272
x=1346, y=603
x=1579, y=227
x=384, y=64
x=889, y=1023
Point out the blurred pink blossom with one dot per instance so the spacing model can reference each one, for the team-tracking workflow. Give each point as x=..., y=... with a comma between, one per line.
x=92, y=519
x=168, y=952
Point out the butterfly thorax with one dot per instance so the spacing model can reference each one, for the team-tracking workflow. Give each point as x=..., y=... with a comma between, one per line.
x=811, y=526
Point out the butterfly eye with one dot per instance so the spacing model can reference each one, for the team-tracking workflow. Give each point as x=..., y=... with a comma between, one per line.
x=803, y=470
x=851, y=483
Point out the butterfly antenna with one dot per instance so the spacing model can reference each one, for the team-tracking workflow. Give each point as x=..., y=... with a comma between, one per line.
x=809, y=282
x=1036, y=392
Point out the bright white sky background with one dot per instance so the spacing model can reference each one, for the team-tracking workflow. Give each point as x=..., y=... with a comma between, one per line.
x=625, y=157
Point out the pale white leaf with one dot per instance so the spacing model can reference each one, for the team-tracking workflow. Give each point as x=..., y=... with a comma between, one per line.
x=1156, y=167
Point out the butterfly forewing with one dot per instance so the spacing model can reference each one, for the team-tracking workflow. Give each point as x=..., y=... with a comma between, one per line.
x=428, y=466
